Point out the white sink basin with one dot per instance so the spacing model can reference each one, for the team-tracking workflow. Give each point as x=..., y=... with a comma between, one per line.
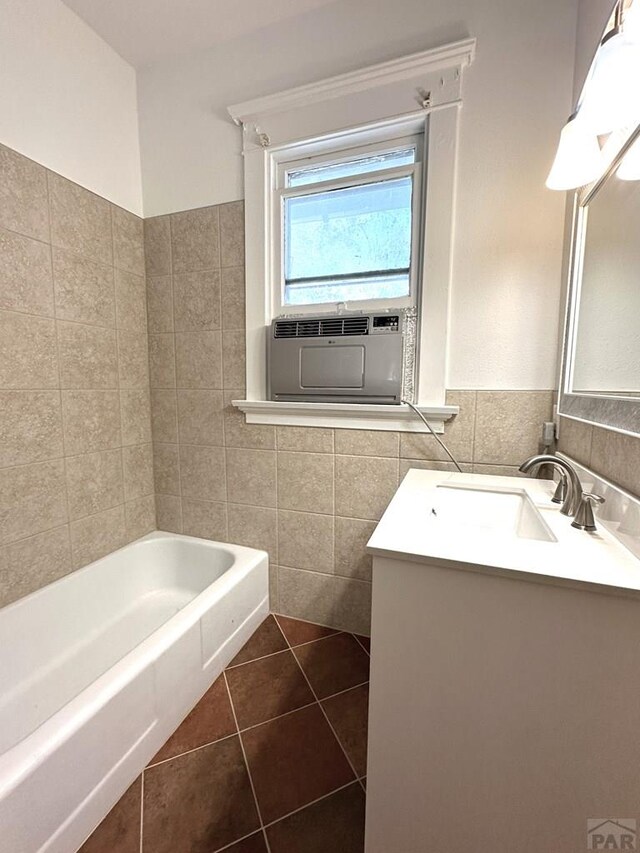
x=506, y=511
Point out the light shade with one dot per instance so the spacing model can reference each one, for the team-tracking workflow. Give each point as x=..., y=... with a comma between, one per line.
x=629, y=169
x=612, y=92
x=578, y=159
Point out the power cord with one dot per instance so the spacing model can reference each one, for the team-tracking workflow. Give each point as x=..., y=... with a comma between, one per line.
x=433, y=433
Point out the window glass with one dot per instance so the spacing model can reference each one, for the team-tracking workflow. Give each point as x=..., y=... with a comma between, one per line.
x=357, y=166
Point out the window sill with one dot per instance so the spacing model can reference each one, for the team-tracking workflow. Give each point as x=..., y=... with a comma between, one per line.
x=345, y=415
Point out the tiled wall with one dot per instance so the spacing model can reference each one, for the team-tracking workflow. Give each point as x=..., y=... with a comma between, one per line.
x=310, y=497
x=76, y=478
x=613, y=455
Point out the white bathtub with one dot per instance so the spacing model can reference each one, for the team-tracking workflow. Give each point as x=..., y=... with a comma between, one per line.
x=98, y=669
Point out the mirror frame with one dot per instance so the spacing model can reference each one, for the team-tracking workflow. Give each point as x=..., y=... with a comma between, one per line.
x=612, y=411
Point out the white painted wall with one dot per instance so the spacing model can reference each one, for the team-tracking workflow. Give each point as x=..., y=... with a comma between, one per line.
x=509, y=228
x=68, y=100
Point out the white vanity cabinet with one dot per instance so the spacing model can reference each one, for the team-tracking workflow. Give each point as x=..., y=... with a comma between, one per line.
x=505, y=702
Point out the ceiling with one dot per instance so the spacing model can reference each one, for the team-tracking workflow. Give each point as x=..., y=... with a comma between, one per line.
x=146, y=31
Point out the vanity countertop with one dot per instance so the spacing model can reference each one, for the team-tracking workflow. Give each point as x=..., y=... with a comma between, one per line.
x=419, y=526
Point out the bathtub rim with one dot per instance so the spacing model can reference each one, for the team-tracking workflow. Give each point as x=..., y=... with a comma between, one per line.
x=24, y=757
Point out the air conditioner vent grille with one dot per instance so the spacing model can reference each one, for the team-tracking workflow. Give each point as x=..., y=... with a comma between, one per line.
x=322, y=327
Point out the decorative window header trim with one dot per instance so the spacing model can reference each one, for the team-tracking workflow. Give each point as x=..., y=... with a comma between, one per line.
x=458, y=54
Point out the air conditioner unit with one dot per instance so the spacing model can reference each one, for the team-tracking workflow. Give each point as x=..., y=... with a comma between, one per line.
x=337, y=358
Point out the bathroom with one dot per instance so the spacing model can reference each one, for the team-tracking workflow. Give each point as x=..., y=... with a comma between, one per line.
x=292, y=298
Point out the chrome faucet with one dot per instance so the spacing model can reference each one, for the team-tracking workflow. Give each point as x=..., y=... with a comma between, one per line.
x=573, y=497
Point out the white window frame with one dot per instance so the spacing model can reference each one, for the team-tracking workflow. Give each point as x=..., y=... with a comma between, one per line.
x=342, y=154
x=418, y=94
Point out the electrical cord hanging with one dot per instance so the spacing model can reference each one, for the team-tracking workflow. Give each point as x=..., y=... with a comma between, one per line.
x=433, y=433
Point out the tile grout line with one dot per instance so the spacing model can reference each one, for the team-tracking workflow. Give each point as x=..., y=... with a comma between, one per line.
x=117, y=336
x=324, y=713
x=175, y=370
x=59, y=389
x=246, y=763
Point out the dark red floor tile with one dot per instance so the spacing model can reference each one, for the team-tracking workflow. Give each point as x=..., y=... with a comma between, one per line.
x=333, y=825
x=265, y=640
x=211, y=719
x=348, y=714
x=253, y=844
x=266, y=688
x=120, y=830
x=198, y=802
x=296, y=631
x=365, y=642
x=294, y=760
x=334, y=664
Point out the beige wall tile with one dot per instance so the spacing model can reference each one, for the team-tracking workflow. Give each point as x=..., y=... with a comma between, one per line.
x=26, y=279
x=305, y=540
x=166, y=469
x=160, y=304
x=200, y=417
x=364, y=485
x=128, y=241
x=131, y=301
x=255, y=527
x=97, y=535
x=91, y=421
x=498, y=470
x=202, y=473
x=199, y=359
x=23, y=195
x=32, y=563
x=133, y=359
x=162, y=361
x=80, y=220
x=196, y=301
x=362, y=442
x=28, y=357
x=274, y=600
x=407, y=464
x=458, y=433
x=84, y=290
x=509, y=425
x=351, y=558
x=617, y=457
x=329, y=600
x=94, y=482
x=305, y=482
x=30, y=427
x=140, y=517
x=575, y=440
x=238, y=433
x=233, y=359
x=135, y=413
x=233, y=298
x=157, y=245
x=251, y=476
x=88, y=356
x=169, y=513
x=137, y=469
x=232, y=234
x=305, y=439
x=207, y=519
x=33, y=498
x=195, y=240
x=164, y=415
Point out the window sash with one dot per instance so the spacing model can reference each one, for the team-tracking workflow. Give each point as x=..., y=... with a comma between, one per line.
x=414, y=170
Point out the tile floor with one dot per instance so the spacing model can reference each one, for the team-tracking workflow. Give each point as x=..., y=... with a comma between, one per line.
x=271, y=760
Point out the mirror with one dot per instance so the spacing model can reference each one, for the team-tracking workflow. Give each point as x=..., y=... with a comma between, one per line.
x=601, y=366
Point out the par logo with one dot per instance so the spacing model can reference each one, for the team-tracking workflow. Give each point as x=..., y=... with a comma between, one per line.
x=618, y=833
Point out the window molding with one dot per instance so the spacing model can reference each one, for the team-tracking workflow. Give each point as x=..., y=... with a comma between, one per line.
x=419, y=93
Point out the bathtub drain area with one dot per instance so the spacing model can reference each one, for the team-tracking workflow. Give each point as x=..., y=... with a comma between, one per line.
x=272, y=759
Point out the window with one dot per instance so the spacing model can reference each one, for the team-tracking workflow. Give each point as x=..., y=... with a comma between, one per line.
x=348, y=226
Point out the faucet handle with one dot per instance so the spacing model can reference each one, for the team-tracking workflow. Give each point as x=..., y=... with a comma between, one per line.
x=560, y=494
x=584, y=519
